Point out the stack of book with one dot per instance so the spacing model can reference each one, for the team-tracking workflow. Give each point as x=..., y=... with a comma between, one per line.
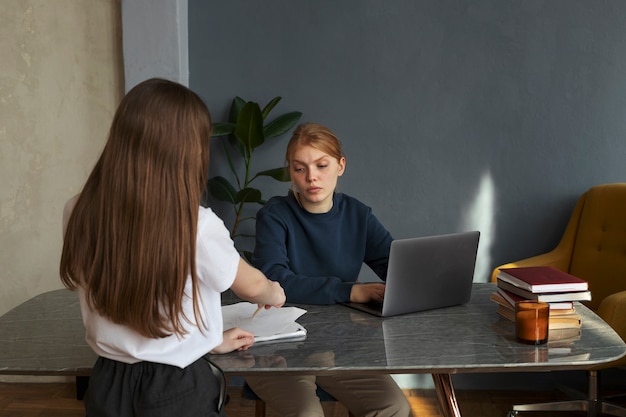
x=542, y=283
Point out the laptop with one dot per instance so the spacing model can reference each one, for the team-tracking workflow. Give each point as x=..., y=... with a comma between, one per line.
x=426, y=273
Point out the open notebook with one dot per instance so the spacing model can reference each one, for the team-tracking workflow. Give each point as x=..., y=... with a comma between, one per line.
x=269, y=325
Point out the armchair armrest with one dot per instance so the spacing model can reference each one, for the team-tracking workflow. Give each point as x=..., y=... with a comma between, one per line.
x=613, y=310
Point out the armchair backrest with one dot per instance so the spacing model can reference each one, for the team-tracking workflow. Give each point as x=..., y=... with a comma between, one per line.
x=599, y=251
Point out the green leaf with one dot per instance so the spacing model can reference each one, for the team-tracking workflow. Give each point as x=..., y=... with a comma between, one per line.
x=245, y=130
x=222, y=190
x=231, y=165
x=249, y=129
x=222, y=129
x=249, y=195
x=268, y=108
x=235, y=109
x=281, y=125
x=279, y=174
x=237, y=145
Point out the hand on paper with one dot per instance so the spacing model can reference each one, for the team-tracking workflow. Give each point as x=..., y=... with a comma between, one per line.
x=363, y=293
x=234, y=339
x=279, y=296
x=262, y=307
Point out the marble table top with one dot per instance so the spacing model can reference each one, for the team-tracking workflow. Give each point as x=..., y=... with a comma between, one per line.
x=44, y=336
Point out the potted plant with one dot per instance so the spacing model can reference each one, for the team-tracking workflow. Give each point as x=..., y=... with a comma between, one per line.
x=246, y=130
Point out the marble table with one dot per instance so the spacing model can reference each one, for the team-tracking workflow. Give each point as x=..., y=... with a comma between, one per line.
x=44, y=336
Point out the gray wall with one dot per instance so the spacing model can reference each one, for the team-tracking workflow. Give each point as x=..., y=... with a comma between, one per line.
x=454, y=115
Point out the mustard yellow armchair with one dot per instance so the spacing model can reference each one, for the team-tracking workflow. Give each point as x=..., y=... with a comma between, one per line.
x=593, y=247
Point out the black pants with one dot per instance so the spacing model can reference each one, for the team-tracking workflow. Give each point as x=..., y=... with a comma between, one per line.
x=148, y=389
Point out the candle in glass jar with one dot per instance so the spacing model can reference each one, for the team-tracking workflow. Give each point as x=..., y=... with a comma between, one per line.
x=531, y=321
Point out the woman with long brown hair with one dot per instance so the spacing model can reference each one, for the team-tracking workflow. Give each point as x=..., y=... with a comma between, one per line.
x=149, y=262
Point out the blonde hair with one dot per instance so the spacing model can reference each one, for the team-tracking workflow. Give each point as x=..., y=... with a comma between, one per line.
x=317, y=136
x=131, y=238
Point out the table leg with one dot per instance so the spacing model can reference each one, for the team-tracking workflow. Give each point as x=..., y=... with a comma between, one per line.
x=445, y=395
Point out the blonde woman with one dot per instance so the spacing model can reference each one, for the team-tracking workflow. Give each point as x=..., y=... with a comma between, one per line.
x=314, y=242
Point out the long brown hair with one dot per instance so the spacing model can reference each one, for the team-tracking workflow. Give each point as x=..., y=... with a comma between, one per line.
x=131, y=238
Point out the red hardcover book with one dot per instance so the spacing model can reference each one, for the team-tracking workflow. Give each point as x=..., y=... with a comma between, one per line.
x=542, y=279
x=548, y=297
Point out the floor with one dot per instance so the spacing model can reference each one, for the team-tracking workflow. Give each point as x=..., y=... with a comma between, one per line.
x=58, y=400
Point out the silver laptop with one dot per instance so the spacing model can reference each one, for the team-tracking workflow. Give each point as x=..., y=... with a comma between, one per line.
x=426, y=273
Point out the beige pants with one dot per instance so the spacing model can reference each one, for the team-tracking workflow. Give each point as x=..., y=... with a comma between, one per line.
x=365, y=395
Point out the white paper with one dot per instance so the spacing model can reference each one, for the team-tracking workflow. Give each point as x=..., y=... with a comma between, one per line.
x=293, y=332
x=271, y=324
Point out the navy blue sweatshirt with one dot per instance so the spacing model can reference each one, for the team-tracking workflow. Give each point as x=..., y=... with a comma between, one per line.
x=317, y=257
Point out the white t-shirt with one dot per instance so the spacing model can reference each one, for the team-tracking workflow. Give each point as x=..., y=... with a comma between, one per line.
x=217, y=261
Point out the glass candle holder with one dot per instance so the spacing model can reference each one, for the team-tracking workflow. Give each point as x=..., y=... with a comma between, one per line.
x=531, y=322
